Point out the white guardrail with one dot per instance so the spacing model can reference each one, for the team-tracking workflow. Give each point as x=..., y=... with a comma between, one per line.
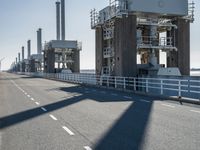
x=160, y=86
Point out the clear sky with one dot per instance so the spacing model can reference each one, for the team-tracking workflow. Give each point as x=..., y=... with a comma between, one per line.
x=20, y=19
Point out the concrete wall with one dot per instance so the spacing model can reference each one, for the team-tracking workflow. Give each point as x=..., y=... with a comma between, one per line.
x=49, y=58
x=171, y=7
x=125, y=46
x=23, y=65
x=181, y=58
x=32, y=65
x=99, y=50
x=75, y=67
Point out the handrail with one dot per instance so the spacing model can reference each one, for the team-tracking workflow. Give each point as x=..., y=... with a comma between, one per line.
x=176, y=87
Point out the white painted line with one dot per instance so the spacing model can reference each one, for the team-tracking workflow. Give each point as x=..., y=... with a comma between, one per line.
x=167, y=105
x=28, y=96
x=87, y=148
x=37, y=103
x=53, y=117
x=68, y=130
x=32, y=99
x=127, y=97
x=44, y=109
x=146, y=101
x=25, y=93
x=113, y=94
x=195, y=111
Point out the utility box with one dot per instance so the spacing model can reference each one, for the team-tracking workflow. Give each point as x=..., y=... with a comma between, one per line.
x=161, y=7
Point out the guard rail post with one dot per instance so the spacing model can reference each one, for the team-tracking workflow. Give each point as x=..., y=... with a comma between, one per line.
x=161, y=87
x=147, y=88
x=179, y=89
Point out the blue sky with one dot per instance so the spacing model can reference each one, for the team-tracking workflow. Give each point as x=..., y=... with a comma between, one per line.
x=20, y=19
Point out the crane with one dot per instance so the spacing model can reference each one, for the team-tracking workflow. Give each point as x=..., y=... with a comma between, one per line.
x=0, y=62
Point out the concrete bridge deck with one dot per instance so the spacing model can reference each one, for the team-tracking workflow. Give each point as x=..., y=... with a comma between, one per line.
x=41, y=114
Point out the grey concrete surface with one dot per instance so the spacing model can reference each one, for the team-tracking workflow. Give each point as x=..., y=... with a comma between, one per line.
x=98, y=118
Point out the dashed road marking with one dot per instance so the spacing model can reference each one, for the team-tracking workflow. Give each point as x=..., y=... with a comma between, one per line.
x=28, y=96
x=44, y=109
x=37, y=103
x=195, y=111
x=87, y=148
x=32, y=99
x=25, y=93
x=68, y=130
x=128, y=97
x=167, y=105
x=53, y=117
x=146, y=101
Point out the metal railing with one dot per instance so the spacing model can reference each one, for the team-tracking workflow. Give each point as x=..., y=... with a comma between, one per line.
x=189, y=88
x=116, y=8
x=154, y=42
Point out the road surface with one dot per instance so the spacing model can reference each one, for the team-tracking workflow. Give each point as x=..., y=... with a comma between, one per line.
x=41, y=114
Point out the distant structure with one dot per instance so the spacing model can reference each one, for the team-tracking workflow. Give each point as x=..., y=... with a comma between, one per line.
x=1, y=62
x=36, y=60
x=127, y=28
x=61, y=54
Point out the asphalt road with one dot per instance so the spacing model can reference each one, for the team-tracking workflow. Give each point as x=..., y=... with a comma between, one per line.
x=40, y=114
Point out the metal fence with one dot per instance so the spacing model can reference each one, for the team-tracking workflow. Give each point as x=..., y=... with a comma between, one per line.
x=180, y=87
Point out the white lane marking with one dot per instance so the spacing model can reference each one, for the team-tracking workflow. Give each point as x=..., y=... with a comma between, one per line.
x=37, y=103
x=25, y=93
x=44, y=109
x=127, y=97
x=53, y=117
x=113, y=94
x=195, y=111
x=28, y=96
x=146, y=101
x=32, y=99
x=68, y=130
x=87, y=148
x=0, y=140
x=167, y=105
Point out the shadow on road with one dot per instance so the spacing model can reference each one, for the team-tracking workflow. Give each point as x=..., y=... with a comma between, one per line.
x=126, y=134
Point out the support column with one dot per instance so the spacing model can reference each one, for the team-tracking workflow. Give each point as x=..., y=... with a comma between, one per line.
x=181, y=58
x=125, y=46
x=50, y=61
x=99, y=50
x=76, y=59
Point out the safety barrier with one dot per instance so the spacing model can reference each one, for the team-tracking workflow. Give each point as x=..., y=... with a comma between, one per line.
x=189, y=88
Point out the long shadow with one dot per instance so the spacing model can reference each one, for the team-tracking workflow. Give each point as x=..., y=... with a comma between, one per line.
x=129, y=130
x=13, y=119
x=127, y=133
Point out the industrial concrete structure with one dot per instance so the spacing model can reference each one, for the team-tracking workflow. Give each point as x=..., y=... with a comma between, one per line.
x=127, y=28
x=61, y=54
x=36, y=60
x=23, y=63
